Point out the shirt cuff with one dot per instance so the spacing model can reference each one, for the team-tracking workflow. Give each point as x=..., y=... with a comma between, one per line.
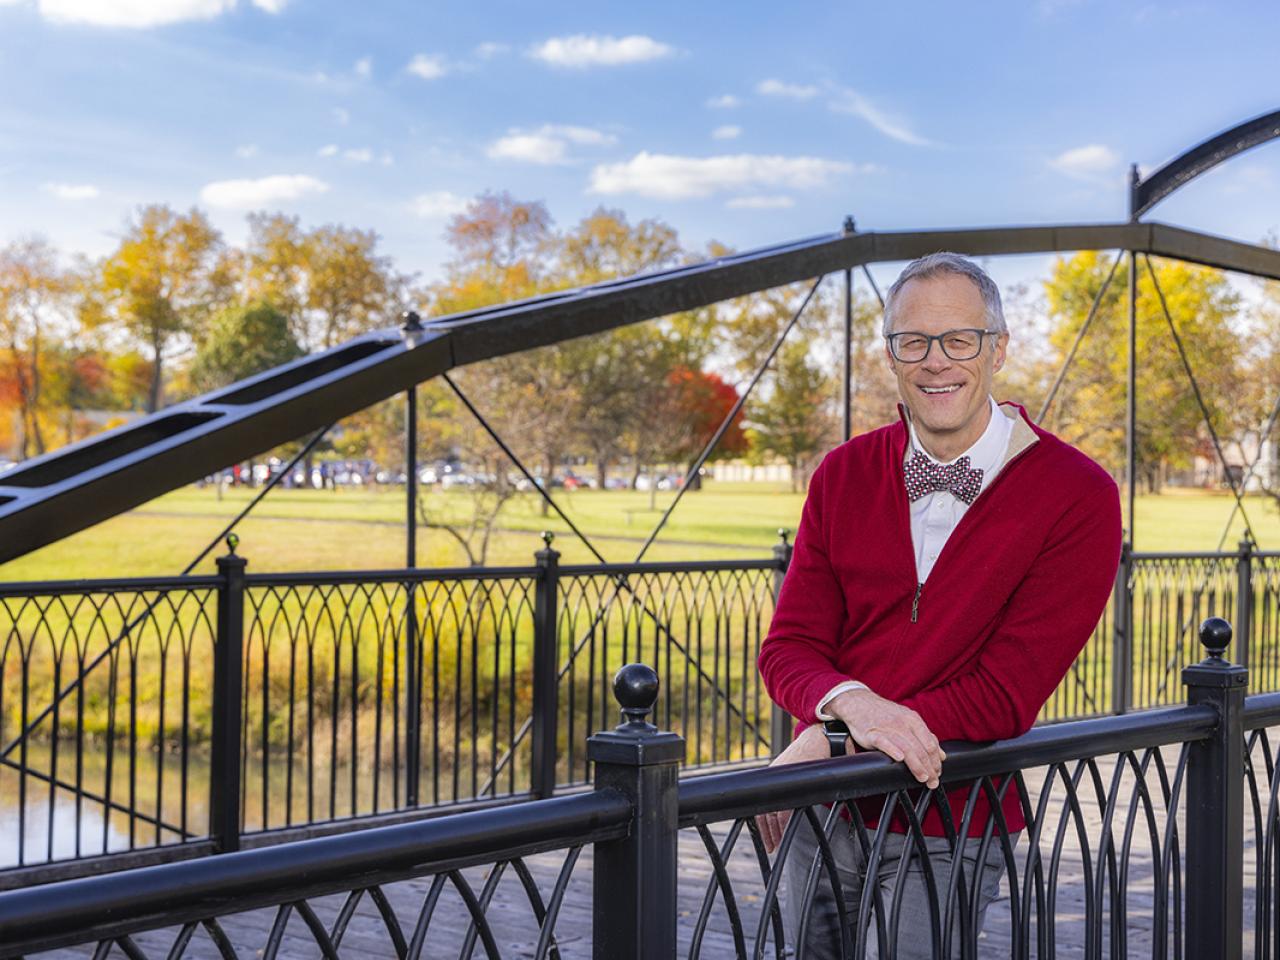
x=834, y=692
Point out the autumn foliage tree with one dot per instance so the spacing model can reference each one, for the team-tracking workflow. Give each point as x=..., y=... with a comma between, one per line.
x=1090, y=411
x=795, y=420
x=168, y=274
x=34, y=292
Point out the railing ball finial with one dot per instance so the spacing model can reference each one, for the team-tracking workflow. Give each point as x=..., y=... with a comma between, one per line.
x=233, y=541
x=1215, y=635
x=635, y=687
x=547, y=537
x=412, y=321
x=783, y=533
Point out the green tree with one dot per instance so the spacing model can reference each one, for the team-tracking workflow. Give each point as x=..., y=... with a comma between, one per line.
x=796, y=420
x=240, y=341
x=167, y=275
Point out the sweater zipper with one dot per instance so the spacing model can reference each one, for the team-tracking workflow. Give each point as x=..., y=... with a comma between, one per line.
x=915, y=600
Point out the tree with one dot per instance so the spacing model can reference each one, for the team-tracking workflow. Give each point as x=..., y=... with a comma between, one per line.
x=1090, y=409
x=621, y=376
x=240, y=341
x=34, y=291
x=795, y=421
x=675, y=420
x=604, y=245
x=350, y=287
x=330, y=282
x=501, y=233
x=167, y=275
x=276, y=266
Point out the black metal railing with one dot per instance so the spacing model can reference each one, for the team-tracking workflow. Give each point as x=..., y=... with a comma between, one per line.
x=366, y=698
x=168, y=718
x=1133, y=842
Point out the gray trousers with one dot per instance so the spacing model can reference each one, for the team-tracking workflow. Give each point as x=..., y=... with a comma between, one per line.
x=912, y=939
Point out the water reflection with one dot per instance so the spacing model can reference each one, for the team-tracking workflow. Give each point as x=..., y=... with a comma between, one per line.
x=169, y=790
x=37, y=838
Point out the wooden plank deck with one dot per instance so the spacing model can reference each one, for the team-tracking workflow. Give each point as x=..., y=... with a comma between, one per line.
x=516, y=931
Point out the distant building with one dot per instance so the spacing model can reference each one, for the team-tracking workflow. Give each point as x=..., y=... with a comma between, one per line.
x=731, y=471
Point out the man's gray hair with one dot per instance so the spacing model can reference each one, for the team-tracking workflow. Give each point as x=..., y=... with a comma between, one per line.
x=937, y=264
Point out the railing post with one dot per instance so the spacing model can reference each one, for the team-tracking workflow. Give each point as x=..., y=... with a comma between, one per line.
x=780, y=722
x=1215, y=803
x=228, y=665
x=546, y=666
x=634, y=900
x=1244, y=602
x=1122, y=634
x=412, y=698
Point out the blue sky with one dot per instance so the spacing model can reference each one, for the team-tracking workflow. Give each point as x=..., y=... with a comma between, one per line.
x=749, y=123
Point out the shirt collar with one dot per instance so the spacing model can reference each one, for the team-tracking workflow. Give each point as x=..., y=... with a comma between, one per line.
x=987, y=451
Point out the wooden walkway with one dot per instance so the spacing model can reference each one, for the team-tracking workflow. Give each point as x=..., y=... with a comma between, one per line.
x=516, y=932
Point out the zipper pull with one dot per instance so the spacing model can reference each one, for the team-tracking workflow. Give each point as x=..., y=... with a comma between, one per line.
x=915, y=603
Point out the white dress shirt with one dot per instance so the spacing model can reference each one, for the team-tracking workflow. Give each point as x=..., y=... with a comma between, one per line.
x=935, y=516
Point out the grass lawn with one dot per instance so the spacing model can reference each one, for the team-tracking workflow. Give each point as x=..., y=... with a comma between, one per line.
x=324, y=530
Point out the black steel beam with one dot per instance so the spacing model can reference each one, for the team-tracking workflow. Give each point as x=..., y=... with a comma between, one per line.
x=1202, y=157
x=64, y=492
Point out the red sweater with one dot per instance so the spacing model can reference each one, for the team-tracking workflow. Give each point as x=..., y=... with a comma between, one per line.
x=1012, y=599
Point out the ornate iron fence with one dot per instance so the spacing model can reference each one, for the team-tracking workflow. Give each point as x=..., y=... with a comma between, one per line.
x=162, y=719
x=1134, y=842
x=148, y=720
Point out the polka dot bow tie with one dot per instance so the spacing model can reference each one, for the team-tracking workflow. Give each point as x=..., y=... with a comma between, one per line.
x=925, y=477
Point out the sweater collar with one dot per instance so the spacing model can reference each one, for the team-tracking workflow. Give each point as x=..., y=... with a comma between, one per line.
x=1023, y=436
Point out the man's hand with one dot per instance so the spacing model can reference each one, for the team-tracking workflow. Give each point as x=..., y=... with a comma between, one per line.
x=810, y=745
x=896, y=731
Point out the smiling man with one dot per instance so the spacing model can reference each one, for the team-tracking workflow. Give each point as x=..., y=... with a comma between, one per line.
x=947, y=570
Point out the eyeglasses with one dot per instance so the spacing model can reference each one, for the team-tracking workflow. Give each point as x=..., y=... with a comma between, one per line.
x=911, y=347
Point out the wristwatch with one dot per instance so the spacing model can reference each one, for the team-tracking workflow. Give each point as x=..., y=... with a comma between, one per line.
x=837, y=736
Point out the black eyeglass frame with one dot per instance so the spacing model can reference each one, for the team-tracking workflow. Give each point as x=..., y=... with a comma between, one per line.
x=893, y=338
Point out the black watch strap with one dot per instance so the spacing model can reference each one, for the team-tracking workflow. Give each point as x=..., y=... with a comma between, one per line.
x=837, y=737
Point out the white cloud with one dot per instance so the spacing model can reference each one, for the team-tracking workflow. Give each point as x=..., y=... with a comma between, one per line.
x=386, y=159
x=132, y=13
x=727, y=132
x=581, y=51
x=549, y=144
x=1089, y=162
x=792, y=91
x=364, y=68
x=428, y=67
x=437, y=205
x=247, y=194
x=358, y=155
x=680, y=178
x=758, y=202
x=71, y=191
x=854, y=103
x=328, y=150
x=488, y=50
x=142, y=13
x=247, y=151
x=724, y=102
x=341, y=116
